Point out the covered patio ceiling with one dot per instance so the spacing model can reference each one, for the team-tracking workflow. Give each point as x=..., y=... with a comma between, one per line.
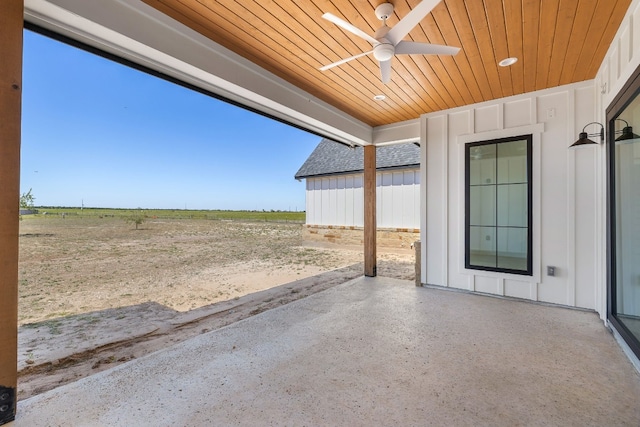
x=266, y=55
x=556, y=42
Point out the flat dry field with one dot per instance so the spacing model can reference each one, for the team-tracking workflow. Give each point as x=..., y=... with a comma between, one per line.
x=94, y=292
x=79, y=265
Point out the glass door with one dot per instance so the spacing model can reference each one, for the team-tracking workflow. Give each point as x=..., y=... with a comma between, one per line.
x=624, y=219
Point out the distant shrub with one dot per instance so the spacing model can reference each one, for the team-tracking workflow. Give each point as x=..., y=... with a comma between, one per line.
x=26, y=203
x=136, y=218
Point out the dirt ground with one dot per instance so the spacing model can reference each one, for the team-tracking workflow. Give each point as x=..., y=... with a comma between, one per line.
x=96, y=292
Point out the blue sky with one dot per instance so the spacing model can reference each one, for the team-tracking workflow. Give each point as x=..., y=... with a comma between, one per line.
x=99, y=133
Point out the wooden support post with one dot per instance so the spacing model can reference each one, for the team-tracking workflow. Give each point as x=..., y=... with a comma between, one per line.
x=370, y=225
x=11, y=23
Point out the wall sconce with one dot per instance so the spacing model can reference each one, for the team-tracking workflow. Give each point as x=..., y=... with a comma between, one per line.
x=627, y=132
x=583, y=138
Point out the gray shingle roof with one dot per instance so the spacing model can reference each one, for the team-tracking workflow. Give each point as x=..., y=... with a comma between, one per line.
x=331, y=157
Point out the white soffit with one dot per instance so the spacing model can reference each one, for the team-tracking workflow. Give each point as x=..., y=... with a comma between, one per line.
x=136, y=32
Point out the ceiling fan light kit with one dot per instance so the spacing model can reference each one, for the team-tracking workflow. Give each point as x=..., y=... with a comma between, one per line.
x=383, y=51
x=387, y=42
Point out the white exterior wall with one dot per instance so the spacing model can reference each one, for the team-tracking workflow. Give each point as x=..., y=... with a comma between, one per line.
x=621, y=60
x=569, y=185
x=338, y=200
x=565, y=195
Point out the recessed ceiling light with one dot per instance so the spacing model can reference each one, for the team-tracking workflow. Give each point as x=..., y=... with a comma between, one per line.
x=507, y=61
x=379, y=97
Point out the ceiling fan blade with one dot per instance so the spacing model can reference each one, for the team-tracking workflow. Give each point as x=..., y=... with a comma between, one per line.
x=415, y=48
x=412, y=19
x=352, y=29
x=342, y=61
x=385, y=71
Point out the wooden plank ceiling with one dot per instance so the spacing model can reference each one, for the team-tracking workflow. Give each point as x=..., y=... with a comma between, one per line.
x=556, y=42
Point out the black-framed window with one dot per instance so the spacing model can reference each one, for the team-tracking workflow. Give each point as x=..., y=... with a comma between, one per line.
x=623, y=249
x=498, y=197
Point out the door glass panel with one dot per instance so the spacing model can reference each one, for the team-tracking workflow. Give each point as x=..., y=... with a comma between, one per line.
x=482, y=169
x=512, y=205
x=482, y=246
x=512, y=248
x=627, y=219
x=512, y=162
x=483, y=201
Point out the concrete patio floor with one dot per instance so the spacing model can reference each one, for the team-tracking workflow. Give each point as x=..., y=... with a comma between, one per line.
x=373, y=351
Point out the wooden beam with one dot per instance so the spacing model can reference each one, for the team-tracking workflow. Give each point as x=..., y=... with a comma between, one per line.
x=370, y=225
x=11, y=22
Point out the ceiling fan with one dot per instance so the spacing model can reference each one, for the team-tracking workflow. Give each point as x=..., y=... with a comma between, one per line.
x=388, y=42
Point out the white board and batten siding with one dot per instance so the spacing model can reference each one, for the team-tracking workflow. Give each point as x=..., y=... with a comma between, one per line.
x=565, y=195
x=338, y=200
x=569, y=186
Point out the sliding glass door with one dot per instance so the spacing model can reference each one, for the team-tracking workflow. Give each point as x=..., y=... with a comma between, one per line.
x=624, y=216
